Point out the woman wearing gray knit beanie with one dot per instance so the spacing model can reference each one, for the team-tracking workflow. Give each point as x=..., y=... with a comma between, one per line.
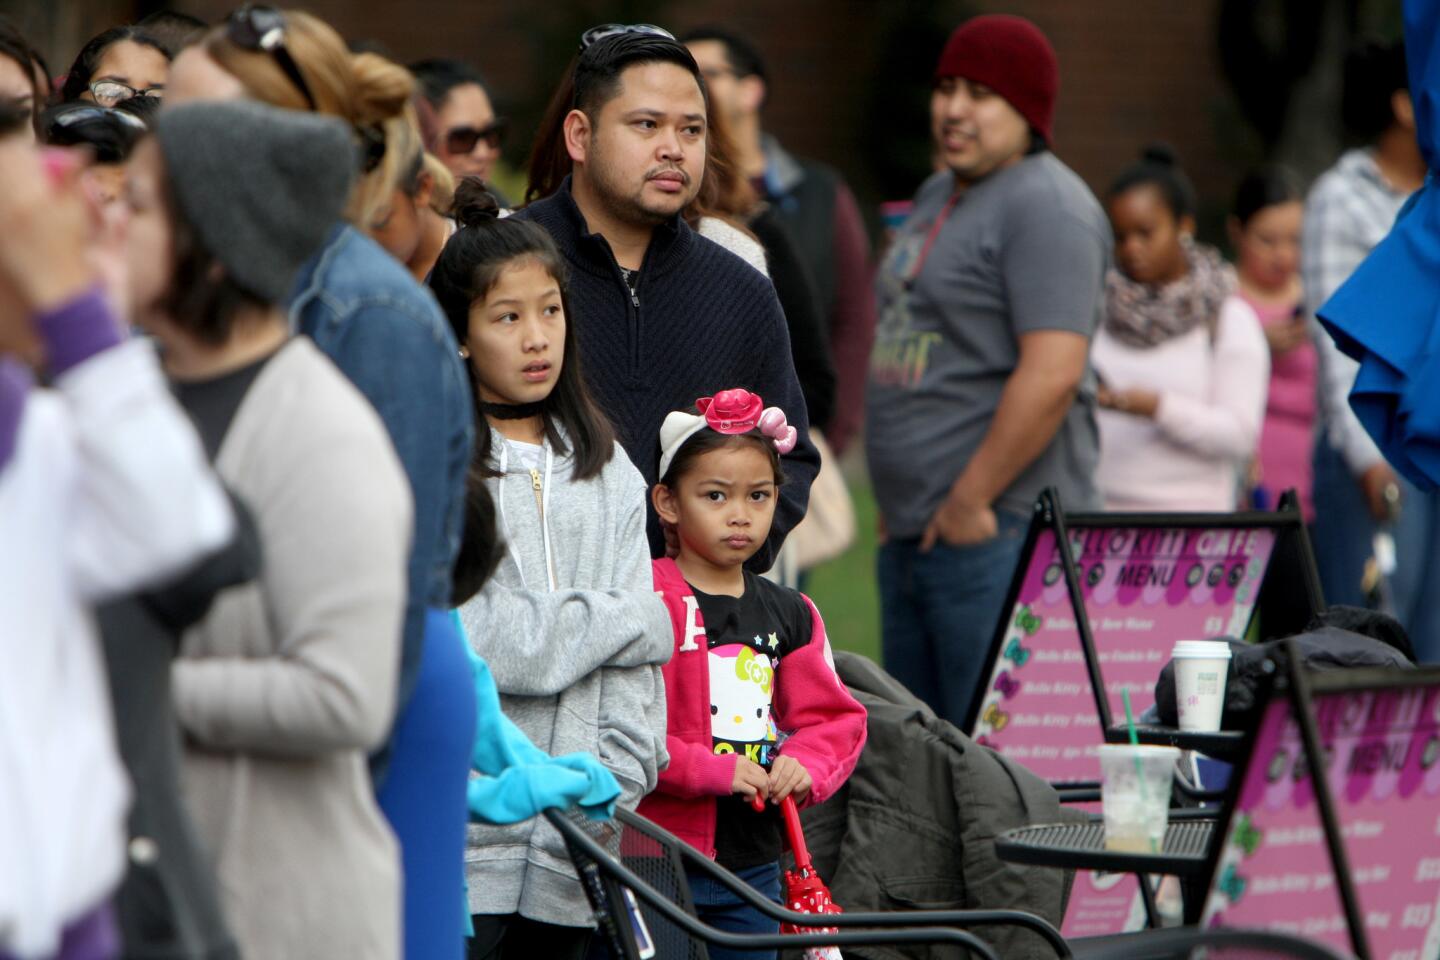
x=289, y=682
x=364, y=311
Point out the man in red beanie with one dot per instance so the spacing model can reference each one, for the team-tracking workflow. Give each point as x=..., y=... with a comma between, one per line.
x=980, y=393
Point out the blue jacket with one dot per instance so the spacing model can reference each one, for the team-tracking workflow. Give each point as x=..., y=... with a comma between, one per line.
x=387, y=335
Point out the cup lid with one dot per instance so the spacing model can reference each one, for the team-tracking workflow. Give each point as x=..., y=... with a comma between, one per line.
x=1207, y=649
x=1153, y=749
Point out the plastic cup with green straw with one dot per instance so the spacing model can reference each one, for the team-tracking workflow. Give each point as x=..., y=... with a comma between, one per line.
x=1139, y=768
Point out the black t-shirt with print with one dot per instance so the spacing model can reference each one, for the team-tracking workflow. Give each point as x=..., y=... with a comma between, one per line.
x=212, y=404
x=748, y=638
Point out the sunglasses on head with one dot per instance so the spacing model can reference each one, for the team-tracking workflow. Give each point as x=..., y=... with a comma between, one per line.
x=108, y=132
x=85, y=115
x=107, y=93
x=596, y=34
x=461, y=140
x=262, y=30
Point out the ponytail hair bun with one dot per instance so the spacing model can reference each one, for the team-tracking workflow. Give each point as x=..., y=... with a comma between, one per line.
x=382, y=89
x=1160, y=154
x=475, y=205
x=476, y=258
x=1159, y=168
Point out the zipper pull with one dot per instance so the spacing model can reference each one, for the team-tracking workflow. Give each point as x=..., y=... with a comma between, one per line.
x=535, y=478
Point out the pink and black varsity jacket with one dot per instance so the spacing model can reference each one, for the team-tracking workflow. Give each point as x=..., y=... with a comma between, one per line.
x=821, y=725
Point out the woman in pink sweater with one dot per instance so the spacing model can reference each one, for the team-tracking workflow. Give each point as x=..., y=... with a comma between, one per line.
x=1182, y=361
x=1265, y=231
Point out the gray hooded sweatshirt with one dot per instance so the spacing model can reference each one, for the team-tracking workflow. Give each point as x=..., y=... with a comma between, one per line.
x=575, y=636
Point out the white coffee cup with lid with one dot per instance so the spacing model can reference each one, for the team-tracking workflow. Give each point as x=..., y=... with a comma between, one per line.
x=1200, y=670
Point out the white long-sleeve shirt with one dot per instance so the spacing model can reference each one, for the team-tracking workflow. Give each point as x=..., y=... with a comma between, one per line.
x=105, y=490
x=1212, y=403
x=1349, y=210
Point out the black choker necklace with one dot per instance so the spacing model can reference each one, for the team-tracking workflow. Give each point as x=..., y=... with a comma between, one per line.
x=511, y=411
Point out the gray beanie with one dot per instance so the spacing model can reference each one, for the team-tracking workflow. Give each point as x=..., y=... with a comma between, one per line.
x=261, y=186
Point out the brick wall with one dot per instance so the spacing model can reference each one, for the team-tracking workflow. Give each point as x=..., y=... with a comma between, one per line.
x=1131, y=73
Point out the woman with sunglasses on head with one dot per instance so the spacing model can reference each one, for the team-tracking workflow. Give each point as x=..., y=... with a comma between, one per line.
x=385, y=333
x=468, y=134
x=121, y=63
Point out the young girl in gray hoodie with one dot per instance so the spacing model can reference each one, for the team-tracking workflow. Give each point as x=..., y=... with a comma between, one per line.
x=569, y=624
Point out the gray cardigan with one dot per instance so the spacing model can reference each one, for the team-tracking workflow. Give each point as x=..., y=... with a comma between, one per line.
x=578, y=667
x=290, y=680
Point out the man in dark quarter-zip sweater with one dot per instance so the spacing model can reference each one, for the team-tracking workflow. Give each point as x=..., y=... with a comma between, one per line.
x=663, y=315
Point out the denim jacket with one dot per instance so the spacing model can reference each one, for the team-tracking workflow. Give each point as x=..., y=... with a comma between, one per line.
x=386, y=333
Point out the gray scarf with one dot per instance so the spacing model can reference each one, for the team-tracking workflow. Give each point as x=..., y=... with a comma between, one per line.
x=1144, y=315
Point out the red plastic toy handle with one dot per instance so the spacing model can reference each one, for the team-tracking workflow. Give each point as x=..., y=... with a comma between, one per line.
x=791, y=813
x=793, y=832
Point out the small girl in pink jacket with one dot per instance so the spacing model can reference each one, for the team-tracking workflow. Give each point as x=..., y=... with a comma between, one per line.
x=755, y=706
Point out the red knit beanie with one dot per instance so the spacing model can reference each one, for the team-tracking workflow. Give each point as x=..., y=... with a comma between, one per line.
x=1010, y=56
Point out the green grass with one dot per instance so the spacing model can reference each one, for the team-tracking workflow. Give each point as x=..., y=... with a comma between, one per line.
x=844, y=589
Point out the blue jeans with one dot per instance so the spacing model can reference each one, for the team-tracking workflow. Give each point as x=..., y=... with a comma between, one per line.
x=1416, y=583
x=1343, y=537
x=1344, y=532
x=939, y=610
x=723, y=910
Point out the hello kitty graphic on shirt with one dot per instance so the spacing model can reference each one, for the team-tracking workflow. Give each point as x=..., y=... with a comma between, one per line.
x=742, y=683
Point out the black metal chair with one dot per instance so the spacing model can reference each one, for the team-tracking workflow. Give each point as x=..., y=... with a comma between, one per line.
x=1182, y=943
x=652, y=868
x=1088, y=791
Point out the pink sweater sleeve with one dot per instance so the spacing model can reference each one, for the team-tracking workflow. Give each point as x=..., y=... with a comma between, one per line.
x=825, y=723
x=1226, y=423
x=695, y=771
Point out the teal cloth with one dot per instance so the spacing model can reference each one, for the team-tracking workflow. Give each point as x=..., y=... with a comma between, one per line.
x=1387, y=315
x=517, y=780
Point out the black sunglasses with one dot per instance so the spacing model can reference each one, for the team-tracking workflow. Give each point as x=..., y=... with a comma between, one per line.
x=596, y=34
x=262, y=30
x=110, y=133
x=84, y=115
x=461, y=140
